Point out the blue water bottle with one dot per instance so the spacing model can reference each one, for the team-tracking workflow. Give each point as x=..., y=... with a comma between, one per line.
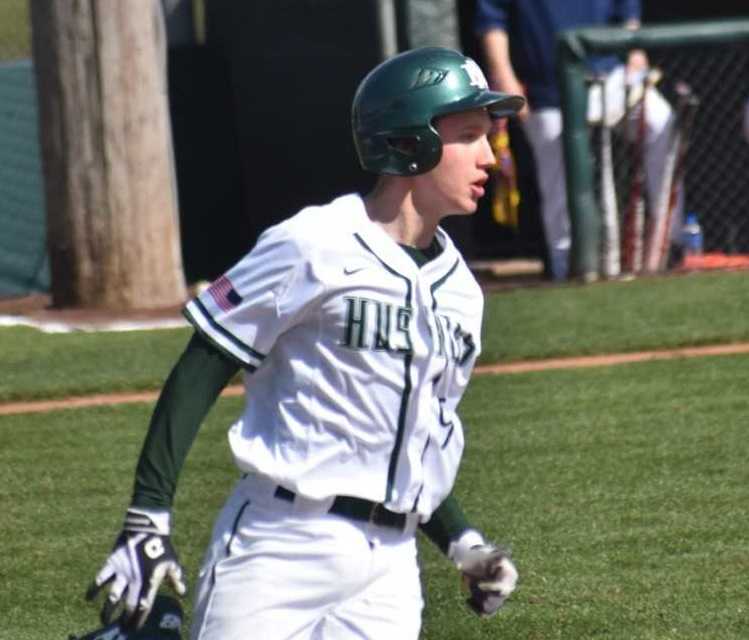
x=691, y=236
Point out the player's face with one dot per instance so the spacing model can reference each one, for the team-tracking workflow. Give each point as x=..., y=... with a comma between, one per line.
x=457, y=183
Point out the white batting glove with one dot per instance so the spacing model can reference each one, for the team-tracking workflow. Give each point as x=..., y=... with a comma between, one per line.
x=488, y=572
x=142, y=557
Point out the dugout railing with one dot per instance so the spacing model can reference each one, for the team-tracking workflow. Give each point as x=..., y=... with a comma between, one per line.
x=713, y=56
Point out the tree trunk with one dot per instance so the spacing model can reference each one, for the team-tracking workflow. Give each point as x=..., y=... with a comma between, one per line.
x=112, y=217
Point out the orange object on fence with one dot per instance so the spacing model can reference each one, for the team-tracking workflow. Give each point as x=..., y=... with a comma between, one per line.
x=505, y=197
x=715, y=260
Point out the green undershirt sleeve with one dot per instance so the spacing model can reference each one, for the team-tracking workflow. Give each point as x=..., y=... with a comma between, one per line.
x=188, y=394
x=447, y=523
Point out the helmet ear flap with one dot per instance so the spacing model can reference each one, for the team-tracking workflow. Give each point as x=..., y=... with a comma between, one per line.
x=414, y=154
x=405, y=152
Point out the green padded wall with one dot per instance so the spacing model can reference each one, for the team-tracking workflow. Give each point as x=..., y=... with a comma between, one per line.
x=23, y=255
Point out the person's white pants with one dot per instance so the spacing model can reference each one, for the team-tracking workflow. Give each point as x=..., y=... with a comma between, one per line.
x=280, y=571
x=543, y=129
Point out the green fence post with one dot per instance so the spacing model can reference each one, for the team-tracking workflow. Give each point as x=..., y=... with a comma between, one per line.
x=585, y=218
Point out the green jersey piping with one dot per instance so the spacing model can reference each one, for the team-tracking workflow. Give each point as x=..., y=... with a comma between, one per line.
x=407, y=384
x=249, y=352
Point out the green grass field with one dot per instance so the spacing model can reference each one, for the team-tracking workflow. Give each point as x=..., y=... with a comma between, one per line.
x=15, y=30
x=623, y=491
x=656, y=313
x=521, y=324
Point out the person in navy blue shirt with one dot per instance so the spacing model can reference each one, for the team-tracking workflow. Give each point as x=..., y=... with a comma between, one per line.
x=518, y=39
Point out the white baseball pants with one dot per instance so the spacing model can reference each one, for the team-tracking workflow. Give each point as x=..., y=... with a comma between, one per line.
x=278, y=570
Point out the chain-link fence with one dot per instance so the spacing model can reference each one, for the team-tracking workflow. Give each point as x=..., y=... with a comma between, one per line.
x=15, y=30
x=715, y=165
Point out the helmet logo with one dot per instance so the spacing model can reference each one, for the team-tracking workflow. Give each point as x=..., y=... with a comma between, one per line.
x=428, y=77
x=475, y=74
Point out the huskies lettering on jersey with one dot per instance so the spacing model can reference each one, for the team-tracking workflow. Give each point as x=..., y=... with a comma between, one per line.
x=452, y=341
x=379, y=326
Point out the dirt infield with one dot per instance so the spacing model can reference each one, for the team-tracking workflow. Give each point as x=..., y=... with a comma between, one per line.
x=39, y=406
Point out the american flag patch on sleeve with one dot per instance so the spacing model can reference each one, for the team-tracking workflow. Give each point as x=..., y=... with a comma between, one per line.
x=224, y=294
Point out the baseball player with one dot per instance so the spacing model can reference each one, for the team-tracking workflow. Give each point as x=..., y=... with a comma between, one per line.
x=356, y=325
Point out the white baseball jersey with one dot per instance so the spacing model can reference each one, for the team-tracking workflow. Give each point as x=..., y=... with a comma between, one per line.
x=355, y=358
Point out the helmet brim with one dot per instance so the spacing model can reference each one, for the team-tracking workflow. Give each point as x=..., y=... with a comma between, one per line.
x=497, y=104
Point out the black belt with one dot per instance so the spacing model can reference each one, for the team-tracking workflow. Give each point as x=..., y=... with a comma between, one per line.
x=356, y=509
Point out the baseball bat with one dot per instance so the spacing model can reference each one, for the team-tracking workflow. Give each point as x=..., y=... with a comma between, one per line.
x=656, y=235
x=610, y=262
x=634, y=217
x=689, y=103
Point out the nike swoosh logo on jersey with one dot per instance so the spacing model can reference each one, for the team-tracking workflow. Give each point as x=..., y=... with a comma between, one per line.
x=350, y=272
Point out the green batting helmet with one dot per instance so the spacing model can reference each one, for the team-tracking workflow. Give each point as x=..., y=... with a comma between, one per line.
x=400, y=98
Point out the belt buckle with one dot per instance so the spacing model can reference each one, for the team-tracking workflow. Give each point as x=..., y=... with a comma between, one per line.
x=376, y=513
x=381, y=516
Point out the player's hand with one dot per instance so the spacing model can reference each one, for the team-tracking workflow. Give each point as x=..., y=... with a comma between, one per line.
x=637, y=62
x=143, y=556
x=508, y=83
x=489, y=574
